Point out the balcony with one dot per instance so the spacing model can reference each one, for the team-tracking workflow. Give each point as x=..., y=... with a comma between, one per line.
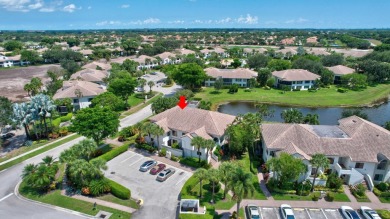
x=342, y=170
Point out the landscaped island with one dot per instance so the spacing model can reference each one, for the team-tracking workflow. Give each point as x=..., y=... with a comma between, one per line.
x=324, y=97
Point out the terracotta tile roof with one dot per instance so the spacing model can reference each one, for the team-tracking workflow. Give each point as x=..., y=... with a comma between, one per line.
x=191, y=120
x=286, y=50
x=94, y=64
x=295, y=75
x=86, y=51
x=341, y=70
x=141, y=59
x=354, y=137
x=88, y=89
x=184, y=51
x=91, y=75
x=165, y=55
x=199, y=132
x=231, y=73
x=259, y=50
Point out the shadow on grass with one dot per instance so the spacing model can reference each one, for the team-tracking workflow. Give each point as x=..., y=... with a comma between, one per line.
x=215, y=92
x=30, y=192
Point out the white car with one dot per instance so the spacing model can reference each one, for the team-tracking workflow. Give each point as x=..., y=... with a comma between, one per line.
x=287, y=212
x=368, y=213
x=349, y=212
x=253, y=211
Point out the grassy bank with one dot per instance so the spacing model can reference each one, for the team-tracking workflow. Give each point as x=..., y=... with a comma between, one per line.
x=139, y=106
x=33, y=154
x=325, y=97
x=55, y=198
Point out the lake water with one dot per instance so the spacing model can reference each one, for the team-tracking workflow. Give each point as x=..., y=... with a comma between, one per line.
x=327, y=116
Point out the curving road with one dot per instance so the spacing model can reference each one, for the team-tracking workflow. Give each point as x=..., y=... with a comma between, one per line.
x=11, y=207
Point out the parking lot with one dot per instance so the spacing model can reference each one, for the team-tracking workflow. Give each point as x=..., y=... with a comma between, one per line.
x=160, y=198
x=300, y=213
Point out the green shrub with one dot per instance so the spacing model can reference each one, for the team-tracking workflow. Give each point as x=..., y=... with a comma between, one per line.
x=384, y=214
x=147, y=147
x=334, y=182
x=385, y=194
x=382, y=186
x=56, y=122
x=174, y=158
x=118, y=190
x=162, y=152
x=360, y=190
x=193, y=162
x=115, y=152
x=330, y=196
x=377, y=192
x=342, y=90
x=315, y=197
x=66, y=118
x=100, y=186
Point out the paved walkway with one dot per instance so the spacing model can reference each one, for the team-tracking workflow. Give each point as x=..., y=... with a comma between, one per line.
x=373, y=198
x=347, y=191
x=263, y=187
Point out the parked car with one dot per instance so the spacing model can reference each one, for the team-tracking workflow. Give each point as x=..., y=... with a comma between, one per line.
x=153, y=73
x=147, y=165
x=287, y=212
x=165, y=174
x=253, y=211
x=368, y=213
x=5, y=136
x=158, y=168
x=349, y=213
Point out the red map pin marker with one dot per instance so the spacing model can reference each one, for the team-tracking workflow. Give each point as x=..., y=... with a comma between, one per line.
x=182, y=102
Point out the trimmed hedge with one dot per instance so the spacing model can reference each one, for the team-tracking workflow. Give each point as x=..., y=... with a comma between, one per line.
x=194, y=162
x=66, y=118
x=56, y=122
x=113, y=153
x=118, y=190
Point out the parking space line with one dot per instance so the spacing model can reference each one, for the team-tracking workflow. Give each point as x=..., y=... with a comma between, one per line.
x=307, y=212
x=185, y=176
x=322, y=210
x=261, y=213
x=136, y=161
x=129, y=157
x=7, y=196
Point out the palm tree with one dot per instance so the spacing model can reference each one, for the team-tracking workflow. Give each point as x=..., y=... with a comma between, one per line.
x=142, y=83
x=43, y=177
x=292, y=116
x=48, y=161
x=318, y=161
x=22, y=115
x=241, y=186
x=200, y=174
x=150, y=84
x=198, y=142
x=28, y=171
x=149, y=129
x=79, y=95
x=226, y=170
x=208, y=144
x=158, y=131
x=213, y=177
x=311, y=119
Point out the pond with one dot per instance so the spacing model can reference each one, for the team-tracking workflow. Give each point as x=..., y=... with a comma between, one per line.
x=327, y=116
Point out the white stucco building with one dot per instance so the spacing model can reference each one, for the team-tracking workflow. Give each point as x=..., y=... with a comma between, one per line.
x=239, y=76
x=295, y=79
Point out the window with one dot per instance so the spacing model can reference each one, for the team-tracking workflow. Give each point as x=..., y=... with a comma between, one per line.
x=331, y=160
x=75, y=100
x=90, y=99
x=272, y=153
x=359, y=165
x=378, y=177
x=299, y=82
x=382, y=165
x=174, y=133
x=307, y=82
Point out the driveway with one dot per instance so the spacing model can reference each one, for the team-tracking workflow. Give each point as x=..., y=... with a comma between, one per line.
x=160, y=198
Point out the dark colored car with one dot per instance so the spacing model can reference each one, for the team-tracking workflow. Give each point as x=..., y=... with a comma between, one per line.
x=156, y=169
x=147, y=165
x=165, y=174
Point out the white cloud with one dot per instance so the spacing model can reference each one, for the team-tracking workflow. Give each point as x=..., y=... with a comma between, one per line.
x=224, y=21
x=47, y=9
x=15, y=5
x=248, y=19
x=36, y=5
x=296, y=21
x=105, y=23
x=125, y=6
x=69, y=8
x=147, y=21
x=176, y=22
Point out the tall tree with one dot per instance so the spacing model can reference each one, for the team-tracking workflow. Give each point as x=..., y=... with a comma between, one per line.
x=198, y=142
x=354, y=112
x=22, y=116
x=226, y=169
x=5, y=111
x=96, y=123
x=311, y=119
x=189, y=75
x=258, y=61
x=263, y=74
x=292, y=116
x=130, y=46
x=286, y=168
x=141, y=83
x=150, y=84
x=213, y=176
x=218, y=84
x=318, y=161
x=201, y=174
x=163, y=103
x=108, y=99
x=123, y=87
x=241, y=186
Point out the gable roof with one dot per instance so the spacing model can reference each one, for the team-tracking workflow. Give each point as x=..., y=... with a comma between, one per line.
x=166, y=55
x=184, y=51
x=142, y=59
x=295, y=75
x=94, y=64
x=193, y=120
x=341, y=70
x=88, y=89
x=361, y=140
x=91, y=75
x=243, y=73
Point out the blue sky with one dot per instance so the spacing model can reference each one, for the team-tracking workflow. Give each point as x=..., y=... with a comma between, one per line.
x=122, y=14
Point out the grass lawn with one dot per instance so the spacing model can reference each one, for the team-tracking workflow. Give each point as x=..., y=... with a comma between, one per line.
x=134, y=101
x=134, y=109
x=43, y=149
x=191, y=187
x=210, y=214
x=110, y=198
x=384, y=199
x=55, y=198
x=291, y=197
x=245, y=163
x=376, y=42
x=385, y=214
x=325, y=97
x=340, y=197
x=363, y=199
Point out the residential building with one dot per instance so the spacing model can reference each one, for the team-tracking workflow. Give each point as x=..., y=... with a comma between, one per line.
x=295, y=78
x=312, y=40
x=145, y=62
x=168, y=58
x=182, y=125
x=6, y=61
x=356, y=148
x=288, y=41
x=91, y=75
x=239, y=76
x=81, y=92
x=339, y=71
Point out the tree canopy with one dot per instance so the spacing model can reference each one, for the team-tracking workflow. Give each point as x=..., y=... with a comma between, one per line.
x=189, y=75
x=109, y=100
x=163, y=103
x=286, y=168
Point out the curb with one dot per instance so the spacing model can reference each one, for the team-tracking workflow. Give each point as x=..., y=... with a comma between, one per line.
x=16, y=192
